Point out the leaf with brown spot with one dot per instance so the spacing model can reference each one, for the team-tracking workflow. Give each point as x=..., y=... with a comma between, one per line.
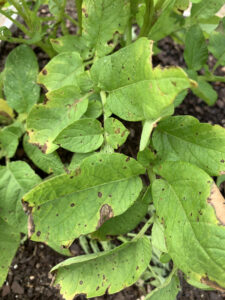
x=195, y=239
x=95, y=191
x=113, y=128
x=95, y=270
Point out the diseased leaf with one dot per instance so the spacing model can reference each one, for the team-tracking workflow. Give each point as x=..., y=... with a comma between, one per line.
x=127, y=221
x=49, y=163
x=6, y=112
x=9, y=138
x=46, y=121
x=196, y=51
x=184, y=138
x=82, y=136
x=136, y=91
x=77, y=159
x=70, y=205
x=110, y=271
x=168, y=291
x=21, y=67
x=195, y=238
x=61, y=71
x=116, y=132
x=9, y=242
x=101, y=20
x=16, y=179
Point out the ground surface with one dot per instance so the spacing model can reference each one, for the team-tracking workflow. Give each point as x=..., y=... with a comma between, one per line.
x=29, y=276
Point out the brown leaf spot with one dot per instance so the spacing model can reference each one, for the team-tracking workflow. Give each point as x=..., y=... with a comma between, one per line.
x=216, y=200
x=97, y=288
x=222, y=161
x=72, y=204
x=55, y=41
x=38, y=233
x=99, y=194
x=42, y=148
x=77, y=171
x=128, y=158
x=174, y=83
x=81, y=282
x=44, y=72
x=213, y=284
x=117, y=131
x=31, y=226
x=106, y=213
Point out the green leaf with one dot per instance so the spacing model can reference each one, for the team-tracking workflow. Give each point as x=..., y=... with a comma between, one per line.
x=21, y=67
x=46, y=121
x=101, y=20
x=136, y=91
x=195, y=238
x=94, y=109
x=116, y=132
x=180, y=98
x=203, y=11
x=126, y=222
x=86, y=198
x=220, y=180
x=217, y=46
x=49, y=163
x=196, y=52
x=205, y=91
x=82, y=136
x=9, y=242
x=168, y=290
x=77, y=159
x=184, y=138
x=9, y=138
x=62, y=70
x=16, y=179
x=110, y=271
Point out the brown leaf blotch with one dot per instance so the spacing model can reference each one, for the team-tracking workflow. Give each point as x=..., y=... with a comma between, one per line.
x=44, y=72
x=106, y=213
x=31, y=226
x=216, y=200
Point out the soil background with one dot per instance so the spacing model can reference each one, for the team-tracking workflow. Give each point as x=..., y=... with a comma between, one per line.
x=29, y=277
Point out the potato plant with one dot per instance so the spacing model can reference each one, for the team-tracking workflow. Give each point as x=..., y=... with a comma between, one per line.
x=100, y=78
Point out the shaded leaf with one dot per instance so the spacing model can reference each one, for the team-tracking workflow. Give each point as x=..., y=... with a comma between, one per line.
x=205, y=91
x=203, y=11
x=49, y=163
x=46, y=121
x=9, y=242
x=195, y=238
x=16, y=179
x=6, y=112
x=110, y=271
x=77, y=159
x=82, y=136
x=217, y=46
x=21, y=67
x=184, y=138
x=196, y=51
x=69, y=205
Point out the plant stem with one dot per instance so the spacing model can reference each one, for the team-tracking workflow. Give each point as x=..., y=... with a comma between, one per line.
x=18, y=24
x=151, y=175
x=78, y=4
x=213, y=78
x=47, y=48
x=149, y=13
x=145, y=228
x=71, y=19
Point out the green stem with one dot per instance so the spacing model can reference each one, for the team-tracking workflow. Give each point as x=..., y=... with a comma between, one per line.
x=47, y=48
x=149, y=13
x=19, y=25
x=71, y=19
x=145, y=228
x=18, y=8
x=151, y=175
x=78, y=4
x=213, y=78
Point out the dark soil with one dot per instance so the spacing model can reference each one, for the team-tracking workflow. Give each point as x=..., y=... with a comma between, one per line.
x=29, y=276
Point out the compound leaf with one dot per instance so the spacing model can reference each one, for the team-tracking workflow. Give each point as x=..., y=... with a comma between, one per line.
x=69, y=205
x=62, y=71
x=82, y=136
x=136, y=91
x=185, y=138
x=46, y=121
x=49, y=163
x=195, y=238
x=110, y=271
x=21, y=67
x=9, y=242
x=16, y=179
